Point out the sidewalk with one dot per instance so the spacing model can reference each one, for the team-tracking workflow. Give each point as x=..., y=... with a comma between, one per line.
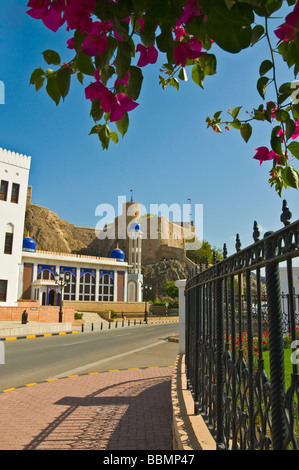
x=115, y=410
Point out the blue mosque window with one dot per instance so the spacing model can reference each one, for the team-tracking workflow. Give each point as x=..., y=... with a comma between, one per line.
x=106, y=288
x=87, y=287
x=70, y=288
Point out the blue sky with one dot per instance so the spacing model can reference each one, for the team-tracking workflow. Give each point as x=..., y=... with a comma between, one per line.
x=168, y=154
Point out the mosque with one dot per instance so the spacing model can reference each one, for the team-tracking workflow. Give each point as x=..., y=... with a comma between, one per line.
x=34, y=275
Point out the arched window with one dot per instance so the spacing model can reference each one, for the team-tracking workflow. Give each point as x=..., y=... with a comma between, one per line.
x=69, y=292
x=46, y=274
x=87, y=287
x=106, y=288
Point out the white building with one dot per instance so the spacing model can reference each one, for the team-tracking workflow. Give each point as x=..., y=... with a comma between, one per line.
x=30, y=274
x=284, y=284
x=14, y=174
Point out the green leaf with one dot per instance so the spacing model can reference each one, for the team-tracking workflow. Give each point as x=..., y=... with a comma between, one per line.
x=230, y=28
x=265, y=66
x=291, y=177
x=276, y=144
x=165, y=39
x=80, y=77
x=262, y=86
x=123, y=124
x=236, y=124
x=39, y=83
x=94, y=130
x=104, y=136
x=84, y=64
x=51, y=57
x=36, y=74
x=246, y=131
x=174, y=82
x=63, y=80
x=198, y=75
x=106, y=72
x=236, y=111
x=96, y=110
x=257, y=33
x=78, y=39
x=135, y=82
x=53, y=90
x=183, y=74
x=290, y=128
x=208, y=63
x=123, y=59
x=114, y=137
x=294, y=149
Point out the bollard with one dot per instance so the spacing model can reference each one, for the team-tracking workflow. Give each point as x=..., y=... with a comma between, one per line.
x=92, y=327
x=101, y=325
x=116, y=324
x=24, y=317
x=134, y=321
x=128, y=322
x=123, y=323
x=82, y=328
x=109, y=325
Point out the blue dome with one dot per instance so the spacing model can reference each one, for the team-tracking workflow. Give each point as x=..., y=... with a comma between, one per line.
x=135, y=227
x=117, y=254
x=29, y=244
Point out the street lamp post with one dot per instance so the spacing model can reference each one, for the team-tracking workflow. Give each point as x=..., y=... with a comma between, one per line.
x=62, y=281
x=146, y=290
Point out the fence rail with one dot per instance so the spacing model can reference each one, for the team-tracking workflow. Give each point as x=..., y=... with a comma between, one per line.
x=237, y=386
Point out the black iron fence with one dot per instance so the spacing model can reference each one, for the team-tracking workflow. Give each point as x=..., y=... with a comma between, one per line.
x=244, y=382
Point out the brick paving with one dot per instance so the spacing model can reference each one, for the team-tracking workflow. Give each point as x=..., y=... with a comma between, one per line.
x=115, y=410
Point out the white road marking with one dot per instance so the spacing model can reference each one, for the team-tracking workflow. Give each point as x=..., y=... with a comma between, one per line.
x=94, y=365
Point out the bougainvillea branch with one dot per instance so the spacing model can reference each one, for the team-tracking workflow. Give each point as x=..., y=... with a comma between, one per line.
x=113, y=40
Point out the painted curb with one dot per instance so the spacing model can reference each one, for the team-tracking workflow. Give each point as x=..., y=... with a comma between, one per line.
x=79, y=375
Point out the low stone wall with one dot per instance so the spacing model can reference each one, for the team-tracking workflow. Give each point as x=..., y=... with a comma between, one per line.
x=189, y=431
x=127, y=308
x=37, y=313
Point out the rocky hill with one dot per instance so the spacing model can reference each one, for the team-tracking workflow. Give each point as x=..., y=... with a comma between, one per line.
x=57, y=235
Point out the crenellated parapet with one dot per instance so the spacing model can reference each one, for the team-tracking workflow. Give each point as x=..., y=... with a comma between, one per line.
x=13, y=158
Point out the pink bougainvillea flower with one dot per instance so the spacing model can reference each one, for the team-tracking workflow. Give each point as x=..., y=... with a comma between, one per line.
x=117, y=105
x=263, y=154
x=148, y=55
x=97, y=90
x=51, y=13
x=179, y=32
x=296, y=133
x=191, y=10
x=121, y=105
x=184, y=50
x=281, y=133
x=287, y=31
x=78, y=14
x=96, y=42
x=125, y=80
x=140, y=21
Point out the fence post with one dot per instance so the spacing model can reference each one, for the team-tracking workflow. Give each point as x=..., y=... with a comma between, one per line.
x=219, y=298
x=276, y=348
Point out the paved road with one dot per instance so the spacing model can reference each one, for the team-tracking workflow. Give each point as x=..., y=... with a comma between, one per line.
x=39, y=359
